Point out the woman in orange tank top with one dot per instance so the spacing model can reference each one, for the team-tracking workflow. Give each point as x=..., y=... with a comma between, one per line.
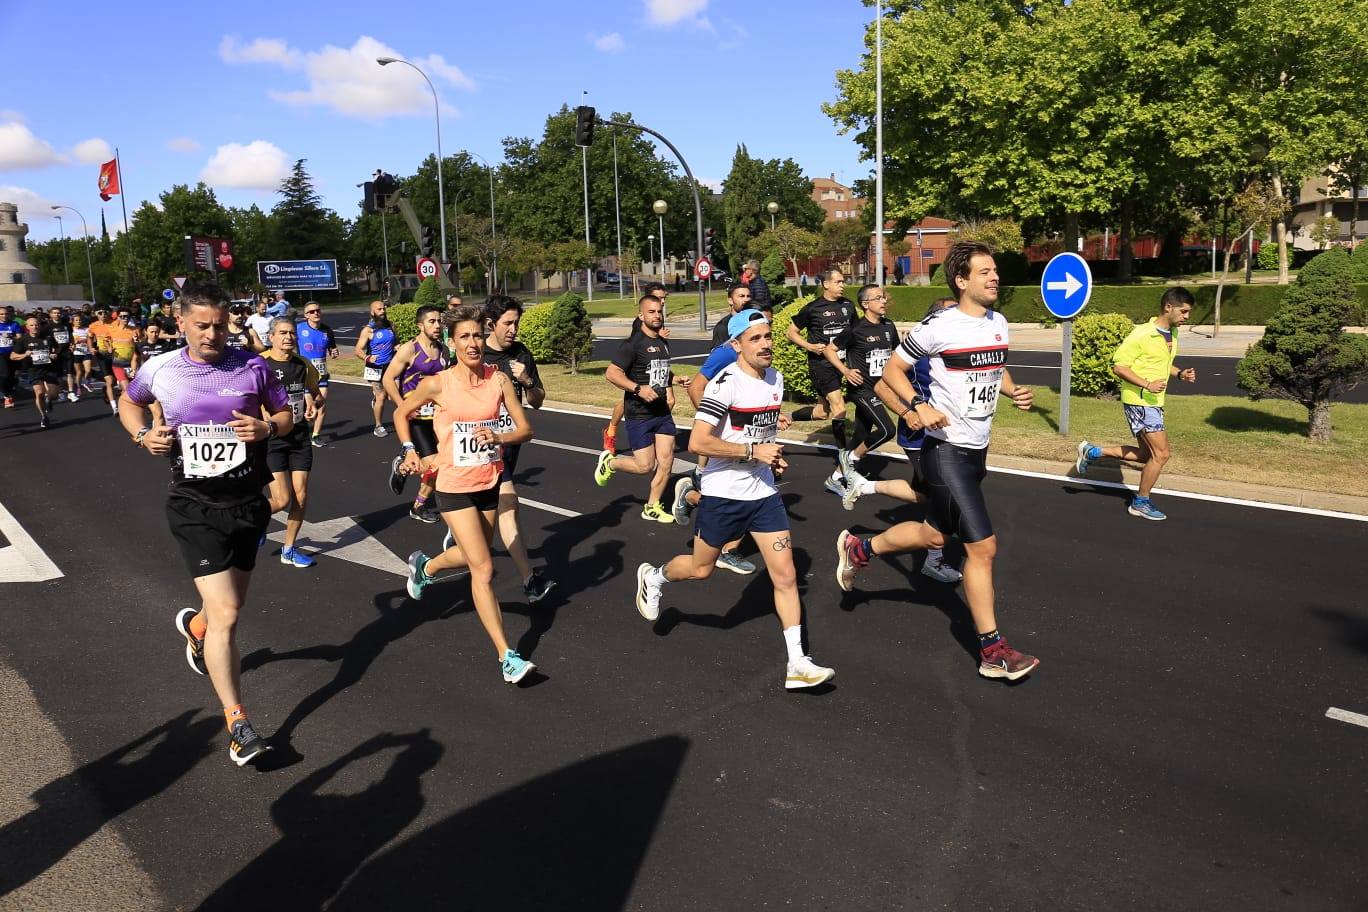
x=478, y=413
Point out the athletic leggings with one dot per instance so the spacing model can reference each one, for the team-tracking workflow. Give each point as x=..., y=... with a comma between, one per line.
x=873, y=425
x=953, y=475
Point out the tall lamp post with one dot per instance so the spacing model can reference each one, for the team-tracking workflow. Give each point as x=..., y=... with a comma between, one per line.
x=650, y=241
x=493, y=235
x=437, y=110
x=61, y=233
x=660, y=207
x=772, y=208
x=878, y=145
x=90, y=270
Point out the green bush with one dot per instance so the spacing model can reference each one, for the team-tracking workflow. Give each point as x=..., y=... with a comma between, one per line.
x=1358, y=267
x=532, y=332
x=789, y=359
x=772, y=268
x=569, y=331
x=1267, y=257
x=1096, y=337
x=1335, y=262
x=405, y=320
x=427, y=293
x=782, y=295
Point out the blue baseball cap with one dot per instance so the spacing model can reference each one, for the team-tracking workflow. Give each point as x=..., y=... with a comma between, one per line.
x=738, y=322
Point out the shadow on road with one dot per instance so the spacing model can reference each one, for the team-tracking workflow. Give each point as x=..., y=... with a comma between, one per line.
x=1350, y=631
x=66, y=814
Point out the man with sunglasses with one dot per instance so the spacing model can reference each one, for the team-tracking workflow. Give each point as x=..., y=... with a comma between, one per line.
x=315, y=343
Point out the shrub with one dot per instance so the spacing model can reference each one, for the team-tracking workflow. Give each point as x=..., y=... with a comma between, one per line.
x=1335, y=262
x=569, y=331
x=427, y=293
x=782, y=295
x=1095, y=339
x=789, y=359
x=405, y=320
x=772, y=268
x=1358, y=263
x=532, y=331
x=1267, y=257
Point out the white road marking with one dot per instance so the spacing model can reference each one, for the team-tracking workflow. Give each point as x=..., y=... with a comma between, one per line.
x=1344, y=715
x=549, y=508
x=22, y=561
x=346, y=540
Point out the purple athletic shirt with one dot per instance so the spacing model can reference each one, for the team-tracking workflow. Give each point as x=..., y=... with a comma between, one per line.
x=191, y=392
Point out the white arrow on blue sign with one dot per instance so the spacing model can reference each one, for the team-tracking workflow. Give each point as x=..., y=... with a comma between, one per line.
x=168, y=294
x=1066, y=285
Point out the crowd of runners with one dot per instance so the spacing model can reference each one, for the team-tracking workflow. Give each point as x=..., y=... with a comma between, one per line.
x=235, y=401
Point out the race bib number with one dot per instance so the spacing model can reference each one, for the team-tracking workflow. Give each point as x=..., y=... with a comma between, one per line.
x=296, y=401
x=41, y=356
x=209, y=450
x=659, y=373
x=506, y=424
x=878, y=360
x=320, y=365
x=6, y=339
x=982, y=392
x=61, y=336
x=468, y=452
x=80, y=348
x=371, y=374
x=426, y=411
x=763, y=427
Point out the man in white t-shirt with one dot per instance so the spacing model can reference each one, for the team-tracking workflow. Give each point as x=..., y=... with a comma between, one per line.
x=736, y=427
x=967, y=350
x=260, y=322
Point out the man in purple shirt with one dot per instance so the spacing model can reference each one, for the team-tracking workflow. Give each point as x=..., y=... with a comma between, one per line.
x=212, y=397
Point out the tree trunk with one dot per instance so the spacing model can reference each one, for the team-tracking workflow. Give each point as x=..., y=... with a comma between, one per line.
x=1071, y=232
x=1220, y=287
x=1353, y=222
x=1318, y=422
x=1125, y=255
x=1280, y=230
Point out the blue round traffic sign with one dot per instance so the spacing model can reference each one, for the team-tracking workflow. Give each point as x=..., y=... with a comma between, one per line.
x=1066, y=285
x=168, y=294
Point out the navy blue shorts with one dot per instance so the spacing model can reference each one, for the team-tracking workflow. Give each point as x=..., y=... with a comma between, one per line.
x=721, y=519
x=641, y=434
x=510, y=462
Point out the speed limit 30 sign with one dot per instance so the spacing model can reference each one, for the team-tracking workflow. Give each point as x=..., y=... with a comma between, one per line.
x=702, y=269
x=427, y=268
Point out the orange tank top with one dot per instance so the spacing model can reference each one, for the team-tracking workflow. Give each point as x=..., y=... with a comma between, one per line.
x=463, y=465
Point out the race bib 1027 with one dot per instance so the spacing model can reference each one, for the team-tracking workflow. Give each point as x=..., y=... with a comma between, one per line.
x=209, y=450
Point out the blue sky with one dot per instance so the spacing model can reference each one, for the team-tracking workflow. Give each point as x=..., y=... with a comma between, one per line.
x=233, y=94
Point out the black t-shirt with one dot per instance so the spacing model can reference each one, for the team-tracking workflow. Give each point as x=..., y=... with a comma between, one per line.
x=61, y=334
x=42, y=350
x=166, y=323
x=867, y=347
x=148, y=350
x=293, y=374
x=720, y=330
x=824, y=320
x=503, y=359
x=242, y=340
x=645, y=360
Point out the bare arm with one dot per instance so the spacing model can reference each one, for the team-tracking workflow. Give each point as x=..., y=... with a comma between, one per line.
x=522, y=428
x=390, y=381
x=362, y=341
x=1125, y=373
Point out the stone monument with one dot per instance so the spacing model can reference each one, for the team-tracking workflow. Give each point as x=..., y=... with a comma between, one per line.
x=20, y=280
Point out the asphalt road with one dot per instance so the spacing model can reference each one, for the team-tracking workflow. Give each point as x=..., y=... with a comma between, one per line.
x=1171, y=752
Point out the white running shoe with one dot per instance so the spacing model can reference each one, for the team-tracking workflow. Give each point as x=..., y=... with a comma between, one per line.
x=941, y=572
x=852, y=493
x=834, y=485
x=806, y=673
x=647, y=595
x=380, y=431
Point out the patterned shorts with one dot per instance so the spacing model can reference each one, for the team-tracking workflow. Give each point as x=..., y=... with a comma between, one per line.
x=1144, y=418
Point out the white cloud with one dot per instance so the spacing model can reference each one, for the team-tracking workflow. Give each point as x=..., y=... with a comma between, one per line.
x=672, y=12
x=610, y=43
x=259, y=165
x=92, y=152
x=183, y=144
x=348, y=80
x=19, y=148
x=8, y=116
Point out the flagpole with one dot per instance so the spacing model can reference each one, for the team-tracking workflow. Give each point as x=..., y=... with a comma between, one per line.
x=123, y=193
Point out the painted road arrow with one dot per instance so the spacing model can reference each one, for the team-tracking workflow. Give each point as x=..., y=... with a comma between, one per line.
x=344, y=539
x=22, y=561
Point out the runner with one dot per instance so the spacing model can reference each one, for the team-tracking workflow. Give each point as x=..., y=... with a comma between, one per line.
x=503, y=350
x=240, y=335
x=289, y=456
x=823, y=319
x=1144, y=362
x=212, y=395
x=865, y=347
x=967, y=346
x=60, y=327
x=469, y=397
x=658, y=291
x=116, y=339
x=375, y=346
x=10, y=329
x=641, y=369
x=80, y=354
x=154, y=344
x=422, y=356
x=260, y=321
x=738, y=299
x=37, y=349
x=735, y=428
x=316, y=344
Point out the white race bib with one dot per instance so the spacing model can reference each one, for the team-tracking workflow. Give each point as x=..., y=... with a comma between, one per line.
x=209, y=450
x=466, y=451
x=982, y=392
x=6, y=339
x=61, y=336
x=320, y=365
x=41, y=357
x=371, y=374
x=296, y=401
x=506, y=424
x=659, y=373
x=878, y=359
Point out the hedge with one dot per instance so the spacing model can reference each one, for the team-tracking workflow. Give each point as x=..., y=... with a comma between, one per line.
x=789, y=359
x=1241, y=305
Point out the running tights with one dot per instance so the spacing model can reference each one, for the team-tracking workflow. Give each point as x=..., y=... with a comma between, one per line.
x=873, y=425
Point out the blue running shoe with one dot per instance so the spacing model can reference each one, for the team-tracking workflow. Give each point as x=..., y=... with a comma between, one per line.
x=1084, y=460
x=296, y=558
x=417, y=579
x=515, y=667
x=1142, y=508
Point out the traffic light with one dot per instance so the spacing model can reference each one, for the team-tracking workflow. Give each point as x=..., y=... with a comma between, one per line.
x=709, y=242
x=426, y=240
x=584, y=126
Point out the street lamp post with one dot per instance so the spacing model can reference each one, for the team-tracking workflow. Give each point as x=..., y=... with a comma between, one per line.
x=90, y=270
x=437, y=110
x=650, y=241
x=61, y=233
x=878, y=145
x=493, y=234
x=660, y=207
x=772, y=208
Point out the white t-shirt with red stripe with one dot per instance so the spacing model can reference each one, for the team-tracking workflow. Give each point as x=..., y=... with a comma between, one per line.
x=967, y=356
x=746, y=409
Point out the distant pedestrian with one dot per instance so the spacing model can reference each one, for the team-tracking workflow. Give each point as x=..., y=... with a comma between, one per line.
x=759, y=288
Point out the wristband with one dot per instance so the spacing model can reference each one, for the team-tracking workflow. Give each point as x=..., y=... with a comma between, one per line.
x=138, y=437
x=271, y=434
x=406, y=447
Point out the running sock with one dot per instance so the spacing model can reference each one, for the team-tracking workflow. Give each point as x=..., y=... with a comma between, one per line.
x=864, y=547
x=991, y=638
x=233, y=714
x=657, y=576
x=198, y=625
x=419, y=502
x=793, y=640
x=838, y=430
x=935, y=555
x=867, y=487
x=1094, y=452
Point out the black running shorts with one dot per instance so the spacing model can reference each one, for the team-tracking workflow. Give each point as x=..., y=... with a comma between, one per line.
x=213, y=539
x=484, y=501
x=953, y=478
x=825, y=378
x=285, y=454
x=424, y=438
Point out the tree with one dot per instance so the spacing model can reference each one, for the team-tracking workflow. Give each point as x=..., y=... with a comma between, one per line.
x=1323, y=231
x=1003, y=235
x=1305, y=356
x=749, y=188
x=1348, y=174
x=789, y=241
x=1256, y=207
x=251, y=233
x=570, y=332
x=844, y=240
x=772, y=267
x=301, y=228
x=428, y=293
x=480, y=245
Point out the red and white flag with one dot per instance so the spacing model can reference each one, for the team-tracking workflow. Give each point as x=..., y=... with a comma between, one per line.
x=109, y=179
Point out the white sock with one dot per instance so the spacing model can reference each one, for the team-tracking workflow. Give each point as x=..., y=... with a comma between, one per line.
x=793, y=639
x=656, y=577
x=867, y=487
x=837, y=477
x=934, y=555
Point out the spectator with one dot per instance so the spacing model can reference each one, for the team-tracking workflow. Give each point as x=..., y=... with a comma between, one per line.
x=276, y=308
x=759, y=288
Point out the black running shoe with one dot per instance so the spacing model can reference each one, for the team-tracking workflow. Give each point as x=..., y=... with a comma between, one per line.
x=194, y=646
x=245, y=743
x=397, y=481
x=426, y=515
x=537, y=587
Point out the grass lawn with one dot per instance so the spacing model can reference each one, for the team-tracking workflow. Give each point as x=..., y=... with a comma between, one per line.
x=1218, y=437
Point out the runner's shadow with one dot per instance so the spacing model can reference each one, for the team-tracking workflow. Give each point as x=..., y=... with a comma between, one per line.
x=73, y=807
x=399, y=617
x=756, y=599
x=574, y=838
x=380, y=520
x=325, y=837
x=1350, y=631
x=941, y=596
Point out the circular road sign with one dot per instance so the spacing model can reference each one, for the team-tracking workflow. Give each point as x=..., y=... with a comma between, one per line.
x=427, y=268
x=1066, y=285
x=703, y=268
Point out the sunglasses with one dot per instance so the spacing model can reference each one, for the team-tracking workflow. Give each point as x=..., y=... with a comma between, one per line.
x=311, y=312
